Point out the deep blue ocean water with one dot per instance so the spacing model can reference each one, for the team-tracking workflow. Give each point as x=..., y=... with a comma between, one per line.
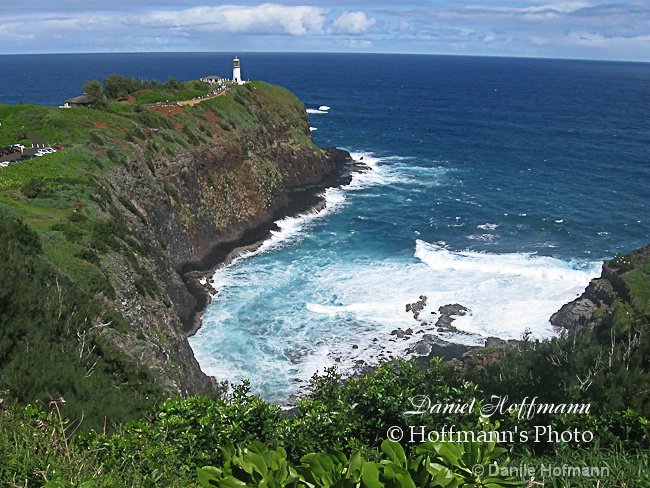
x=497, y=183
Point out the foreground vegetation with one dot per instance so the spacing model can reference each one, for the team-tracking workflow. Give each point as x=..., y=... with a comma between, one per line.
x=77, y=411
x=338, y=434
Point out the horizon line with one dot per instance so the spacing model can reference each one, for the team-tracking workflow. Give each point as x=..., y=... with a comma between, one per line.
x=229, y=52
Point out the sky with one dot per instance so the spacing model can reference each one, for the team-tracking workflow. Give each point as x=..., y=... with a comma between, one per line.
x=580, y=29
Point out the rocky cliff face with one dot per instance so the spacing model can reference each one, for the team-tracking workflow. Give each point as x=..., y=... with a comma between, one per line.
x=187, y=205
x=623, y=279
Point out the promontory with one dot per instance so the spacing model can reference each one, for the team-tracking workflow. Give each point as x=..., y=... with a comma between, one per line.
x=97, y=239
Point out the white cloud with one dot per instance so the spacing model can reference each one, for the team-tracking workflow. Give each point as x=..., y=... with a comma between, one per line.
x=9, y=34
x=503, y=27
x=546, y=28
x=358, y=44
x=263, y=19
x=352, y=23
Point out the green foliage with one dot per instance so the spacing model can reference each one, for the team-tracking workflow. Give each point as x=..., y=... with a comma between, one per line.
x=356, y=413
x=254, y=466
x=621, y=262
x=33, y=187
x=49, y=344
x=56, y=318
x=605, y=365
x=440, y=464
x=21, y=133
x=95, y=94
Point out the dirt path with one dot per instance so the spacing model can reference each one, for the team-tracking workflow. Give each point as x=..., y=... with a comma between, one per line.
x=199, y=100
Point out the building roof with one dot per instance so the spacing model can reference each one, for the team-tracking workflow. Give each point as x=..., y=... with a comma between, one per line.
x=80, y=100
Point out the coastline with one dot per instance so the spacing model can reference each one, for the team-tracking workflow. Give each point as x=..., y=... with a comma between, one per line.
x=301, y=200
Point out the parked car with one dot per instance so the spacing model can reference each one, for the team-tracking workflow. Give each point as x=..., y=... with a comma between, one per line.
x=4, y=151
x=58, y=148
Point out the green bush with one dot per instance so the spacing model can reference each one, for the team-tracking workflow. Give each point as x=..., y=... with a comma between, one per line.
x=436, y=465
x=33, y=188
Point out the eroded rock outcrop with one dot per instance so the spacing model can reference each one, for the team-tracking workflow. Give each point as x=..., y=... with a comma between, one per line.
x=189, y=205
x=602, y=292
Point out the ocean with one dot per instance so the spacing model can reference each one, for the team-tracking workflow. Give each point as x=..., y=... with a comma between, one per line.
x=499, y=184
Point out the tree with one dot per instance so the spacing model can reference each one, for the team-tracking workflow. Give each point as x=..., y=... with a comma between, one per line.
x=21, y=133
x=172, y=84
x=95, y=93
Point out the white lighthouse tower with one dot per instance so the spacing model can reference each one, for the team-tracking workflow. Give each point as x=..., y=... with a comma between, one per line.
x=236, y=71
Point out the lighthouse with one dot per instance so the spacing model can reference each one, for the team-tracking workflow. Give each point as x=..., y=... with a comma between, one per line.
x=236, y=71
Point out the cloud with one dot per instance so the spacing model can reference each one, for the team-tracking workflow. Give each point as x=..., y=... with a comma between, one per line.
x=546, y=28
x=358, y=44
x=200, y=26
x=352, y=23
x=10, y=34
x=264, y=19
x=404, y=26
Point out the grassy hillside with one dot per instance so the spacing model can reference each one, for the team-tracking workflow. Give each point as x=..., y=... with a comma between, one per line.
x=91, y=215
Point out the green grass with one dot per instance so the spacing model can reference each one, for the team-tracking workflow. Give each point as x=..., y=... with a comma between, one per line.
x=618, y=467
x=55, y=125
x=639, y=283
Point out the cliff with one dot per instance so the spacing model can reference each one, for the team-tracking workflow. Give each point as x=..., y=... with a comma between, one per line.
x=624, y=283
x=224, y=190
x=142, y=197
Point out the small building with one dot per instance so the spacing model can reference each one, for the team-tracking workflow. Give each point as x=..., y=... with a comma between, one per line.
x=80, y=101
x=212, y=79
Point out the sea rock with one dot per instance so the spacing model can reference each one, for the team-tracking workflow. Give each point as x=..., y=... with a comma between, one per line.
x=447, y=316
x=494, y=342
x=416, y=307
x=599, y=293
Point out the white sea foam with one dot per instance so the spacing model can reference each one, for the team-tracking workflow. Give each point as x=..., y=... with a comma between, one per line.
x=482, y=237
x=302, y=316
x=280, y=318
x=487, y=226
x=385, y=171
x=508, y=293
x=315, y=111
x=290, y=228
